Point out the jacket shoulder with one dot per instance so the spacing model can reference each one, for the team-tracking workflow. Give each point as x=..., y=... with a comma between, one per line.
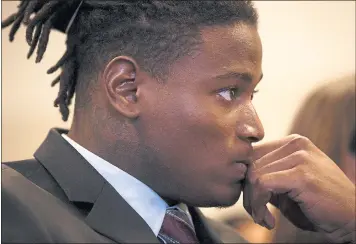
x=27, y=192
x=25, y=167
x=35, y=173
x=19, y=222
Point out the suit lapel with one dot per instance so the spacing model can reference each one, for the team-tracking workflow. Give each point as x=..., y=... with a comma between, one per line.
x=110, y=215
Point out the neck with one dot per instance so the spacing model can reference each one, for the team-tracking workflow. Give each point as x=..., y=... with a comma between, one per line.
x=114, y=146
x=127, y=162
x=106, y=141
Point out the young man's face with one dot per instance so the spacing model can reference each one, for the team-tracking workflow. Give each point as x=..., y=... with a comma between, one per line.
x=199, y=125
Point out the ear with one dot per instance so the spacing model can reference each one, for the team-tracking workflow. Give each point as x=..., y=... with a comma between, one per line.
x=120, y=84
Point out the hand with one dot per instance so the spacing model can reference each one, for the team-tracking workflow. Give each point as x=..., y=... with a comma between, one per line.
x=306, y=186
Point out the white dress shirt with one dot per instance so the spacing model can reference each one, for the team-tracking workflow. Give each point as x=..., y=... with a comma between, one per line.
x=147, y=203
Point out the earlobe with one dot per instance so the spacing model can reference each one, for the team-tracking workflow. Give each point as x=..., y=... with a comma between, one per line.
x=120, y=81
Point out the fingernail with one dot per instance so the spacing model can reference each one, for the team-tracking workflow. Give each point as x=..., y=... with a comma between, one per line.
x=268, y=226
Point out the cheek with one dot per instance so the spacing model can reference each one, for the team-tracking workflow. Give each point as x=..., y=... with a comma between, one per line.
x=193, y=131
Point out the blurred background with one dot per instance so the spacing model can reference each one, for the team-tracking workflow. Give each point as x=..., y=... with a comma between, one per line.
x=306, y=44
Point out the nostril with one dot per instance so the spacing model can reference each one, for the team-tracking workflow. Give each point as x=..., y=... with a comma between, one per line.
x=250, y=133
x=253, y=139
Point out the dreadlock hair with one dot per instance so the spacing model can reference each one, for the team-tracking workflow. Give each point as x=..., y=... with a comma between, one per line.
x=154, y=33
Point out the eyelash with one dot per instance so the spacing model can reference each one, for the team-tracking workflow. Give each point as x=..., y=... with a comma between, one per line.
x=235, y=90
x=253, y=93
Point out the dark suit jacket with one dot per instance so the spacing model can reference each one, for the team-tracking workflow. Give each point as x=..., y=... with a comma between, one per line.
x=59, y=197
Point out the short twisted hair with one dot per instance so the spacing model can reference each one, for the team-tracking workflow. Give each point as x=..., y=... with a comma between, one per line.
x=154, y=33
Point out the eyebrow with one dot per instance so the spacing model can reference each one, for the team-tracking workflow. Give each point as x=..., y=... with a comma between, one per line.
x=246, y=77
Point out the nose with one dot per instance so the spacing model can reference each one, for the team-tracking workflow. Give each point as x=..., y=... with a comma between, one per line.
x=249, y=128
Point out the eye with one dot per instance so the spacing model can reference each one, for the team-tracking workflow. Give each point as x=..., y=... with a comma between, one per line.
x=229, y=94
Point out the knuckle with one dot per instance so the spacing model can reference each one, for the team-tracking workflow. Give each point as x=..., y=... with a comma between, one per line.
x=293, y=136
x=310, y=180
x=300, y=172
x=305, y=178
x=300, y=156
x=299, y=142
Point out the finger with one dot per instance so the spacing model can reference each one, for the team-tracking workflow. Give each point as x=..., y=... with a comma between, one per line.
x=260, y=198
x=246, y=197
x=268, y=221
x=259, y=150
x=265, y=166
x=264, y=218
x=260, y=213
x=285, y=181
x=276, y=182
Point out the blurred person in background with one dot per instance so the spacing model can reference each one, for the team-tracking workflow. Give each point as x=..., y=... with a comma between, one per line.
x=327, y=118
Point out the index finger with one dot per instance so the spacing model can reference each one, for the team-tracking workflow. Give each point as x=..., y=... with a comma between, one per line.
x=262, y=149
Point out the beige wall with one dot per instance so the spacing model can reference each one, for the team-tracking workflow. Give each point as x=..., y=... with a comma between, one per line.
x=305, y=43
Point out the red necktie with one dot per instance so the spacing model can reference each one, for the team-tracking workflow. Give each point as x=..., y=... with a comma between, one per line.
x=177, y=228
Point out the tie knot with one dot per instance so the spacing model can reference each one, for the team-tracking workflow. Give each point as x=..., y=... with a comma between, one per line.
x=180, y=215
x=177, y=228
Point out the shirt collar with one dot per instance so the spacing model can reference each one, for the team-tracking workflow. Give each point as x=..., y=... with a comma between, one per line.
x=146, y=202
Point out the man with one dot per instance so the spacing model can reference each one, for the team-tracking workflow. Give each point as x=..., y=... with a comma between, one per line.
x=163, y=123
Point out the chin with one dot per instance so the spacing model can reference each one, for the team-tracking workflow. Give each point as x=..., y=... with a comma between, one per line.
x=221, y=198
x=230, y=198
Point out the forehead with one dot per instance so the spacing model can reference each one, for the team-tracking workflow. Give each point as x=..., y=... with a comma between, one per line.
x=224, y=49
x=235, y=43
